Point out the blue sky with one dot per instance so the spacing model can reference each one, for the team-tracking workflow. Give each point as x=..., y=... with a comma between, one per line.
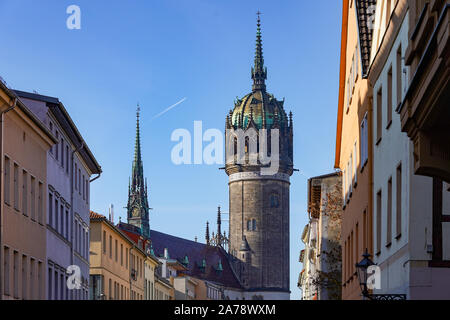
x=159, y=52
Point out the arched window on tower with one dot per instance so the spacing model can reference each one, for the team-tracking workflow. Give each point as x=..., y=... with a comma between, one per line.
x=247, y=143
x=249, y=225
x=254, y=224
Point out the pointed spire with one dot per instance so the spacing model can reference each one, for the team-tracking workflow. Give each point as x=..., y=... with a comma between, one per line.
x=137, y=207
x=259, y=72
x=207, y=233
x=219, y=225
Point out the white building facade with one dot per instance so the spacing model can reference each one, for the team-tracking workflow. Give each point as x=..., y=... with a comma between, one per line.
x=70, y=165
x=402, y=201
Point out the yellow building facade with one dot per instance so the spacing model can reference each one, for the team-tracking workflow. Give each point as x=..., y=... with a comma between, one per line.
x=116, y=263
x=24, y=145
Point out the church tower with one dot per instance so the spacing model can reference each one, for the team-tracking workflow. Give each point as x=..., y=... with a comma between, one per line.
x=137, y=207
x=259, y=202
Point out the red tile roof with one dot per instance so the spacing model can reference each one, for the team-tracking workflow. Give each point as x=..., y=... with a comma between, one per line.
x=95, y=215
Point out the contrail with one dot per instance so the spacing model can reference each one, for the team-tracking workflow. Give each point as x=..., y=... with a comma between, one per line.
x=169, y=108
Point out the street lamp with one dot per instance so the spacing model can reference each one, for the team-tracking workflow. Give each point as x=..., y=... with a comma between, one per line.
x=362, y=268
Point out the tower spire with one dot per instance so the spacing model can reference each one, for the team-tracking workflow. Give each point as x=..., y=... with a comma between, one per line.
x=219, y=225
x=137, y=207
x=259, y=72
x=207, y=233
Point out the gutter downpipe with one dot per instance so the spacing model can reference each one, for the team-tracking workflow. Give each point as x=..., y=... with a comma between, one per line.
x=1, y=193
x=72, y=204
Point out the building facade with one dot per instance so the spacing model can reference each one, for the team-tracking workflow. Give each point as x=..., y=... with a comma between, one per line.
x=70, y=165
x=259, y=200
x=321, y=276
x=424, y=110
x=25, y=141
x=405, y=204
x=353, y=139
x=116, y=263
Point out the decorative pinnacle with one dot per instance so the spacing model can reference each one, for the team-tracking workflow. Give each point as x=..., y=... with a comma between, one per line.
x=207, y=233
x=259, y=73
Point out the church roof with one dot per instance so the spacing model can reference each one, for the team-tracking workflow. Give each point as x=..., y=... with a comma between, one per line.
x=204, y=262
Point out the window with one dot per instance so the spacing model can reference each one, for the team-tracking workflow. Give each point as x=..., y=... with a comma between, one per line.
x=6, y=271
x=24, y=277
x=62, y=152
x=126, y=258
x=254, y=225
x=364, y=145
x=355, y=161
x=56, y=215
x=399, y=75
x=67, y=224
x=16, y=187
x=110, y=247
x=67, y=159
x=32, y=279
x=16, y=273
x=50, y=283
x=365, y=231
x=104, y=242
x=40, y=202
x=351, y=253
x=75, y=177
x=7, y=183
x=84, y=188
x=398, y=199
x=51, y=130
x=33, y=198
x=24, y=193
x=40, y=286
x=389, y=98
x=389, y=214
x=121, y=254
x=79, y=182
x=357, y=241
x=115, y=250
x=379, y=111
x=379, y=222
x=57, y=146
x=274, y=201
x=50, y=209
x=61, y=210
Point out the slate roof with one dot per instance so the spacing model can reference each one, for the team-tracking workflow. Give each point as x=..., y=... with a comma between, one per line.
x=196, y=252
x=365, y=11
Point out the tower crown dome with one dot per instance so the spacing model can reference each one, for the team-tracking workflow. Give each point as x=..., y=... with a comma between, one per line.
x=258, y=107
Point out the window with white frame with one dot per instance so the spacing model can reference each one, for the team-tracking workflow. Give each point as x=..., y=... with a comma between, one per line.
x=364, y=144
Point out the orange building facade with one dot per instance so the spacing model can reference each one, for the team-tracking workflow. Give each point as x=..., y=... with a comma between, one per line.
x=353, y=141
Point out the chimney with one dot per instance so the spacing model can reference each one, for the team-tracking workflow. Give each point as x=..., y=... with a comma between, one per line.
x=166, y=253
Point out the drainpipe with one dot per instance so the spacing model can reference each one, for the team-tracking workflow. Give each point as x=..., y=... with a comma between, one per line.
x=71, y=201
x=1, y=193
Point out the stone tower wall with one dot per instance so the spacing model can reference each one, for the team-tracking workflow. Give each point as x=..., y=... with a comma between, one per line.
x=252, y=199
